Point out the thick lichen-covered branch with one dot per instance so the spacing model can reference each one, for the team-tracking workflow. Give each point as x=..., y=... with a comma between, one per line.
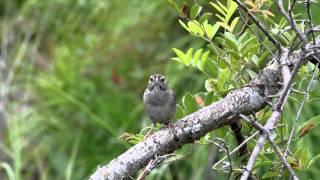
x=246, y=100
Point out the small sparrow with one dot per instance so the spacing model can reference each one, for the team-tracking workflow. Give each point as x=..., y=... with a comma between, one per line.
x=159, y=100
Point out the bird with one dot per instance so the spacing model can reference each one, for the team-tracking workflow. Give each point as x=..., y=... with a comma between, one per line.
x=160, y=102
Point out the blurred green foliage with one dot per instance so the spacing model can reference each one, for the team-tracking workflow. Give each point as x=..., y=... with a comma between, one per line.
x=80, y=67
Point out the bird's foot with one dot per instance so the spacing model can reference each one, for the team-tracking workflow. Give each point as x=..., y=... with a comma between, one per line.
x=148, y=134
x=170, y=127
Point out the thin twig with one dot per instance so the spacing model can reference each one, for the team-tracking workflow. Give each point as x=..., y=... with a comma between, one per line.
x=226, y=149
x=305, y=98
x=260, y=26
x=275, y=146
x=292, y=23
x=236, y=149
x=151, y=165
x=277, y=109
x=252, y=31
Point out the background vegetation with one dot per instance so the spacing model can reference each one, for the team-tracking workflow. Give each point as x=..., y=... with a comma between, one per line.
x=73, y=75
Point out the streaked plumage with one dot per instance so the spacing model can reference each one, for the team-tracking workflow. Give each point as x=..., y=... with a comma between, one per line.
x=159, y=100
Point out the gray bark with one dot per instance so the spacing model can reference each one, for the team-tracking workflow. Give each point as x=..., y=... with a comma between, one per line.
x=246, y=100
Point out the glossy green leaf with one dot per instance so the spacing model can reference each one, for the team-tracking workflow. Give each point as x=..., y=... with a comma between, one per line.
x=204, y=17
x=195, y=28
x=189, y=103
x=251, y=73
x=180, y=54
x=196, y=58
x=233, y=24
x=222, y=6
x=304, y=158
x=231, y=9
x=211, y=30
x=202, y=62
x=211, y=68
x=195, y=11
x=180, y=112
x=255, y=59
x=188, y=57
x=313, y=160
x=184, y=25
x=219, y=9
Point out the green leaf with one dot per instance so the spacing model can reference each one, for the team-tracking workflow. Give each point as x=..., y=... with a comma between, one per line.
x=217, y=50
x=204, y=17
x=189, y=103
x=314, y=159
x=188, y=57
x=184, y=25
x=180, y=55
x=231, y=41
x=195, y=10
x=211, y=68
x=244, y=45
x=196, y=57
x=201, y=64
x=255, y=59
x=220, y=17
x=252, y=74
x=176, y=59
x=8, y=170
x=211, y=30
x=180, y=112
x=231, y=9
x=233, y=24
x=174, y=5
x=222, y=6
x=269, y=175
x=223, y=77
x=250, y=50
x=195, y=28
x=218, y=8
x=306, y=127
x=304, y=158
x=210, y=84
x=210, y=98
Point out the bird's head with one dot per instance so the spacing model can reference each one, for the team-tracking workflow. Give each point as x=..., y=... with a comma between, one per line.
x=157, y=81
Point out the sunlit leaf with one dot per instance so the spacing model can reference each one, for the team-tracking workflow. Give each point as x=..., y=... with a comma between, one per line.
x=218, y=8
x=231, y=9
x=189, y=103
x=204, y=17
x=202, y=62
x=184, y=25
x=211, y=30
x=313, y=160
x=180, y=112
x=195, y=10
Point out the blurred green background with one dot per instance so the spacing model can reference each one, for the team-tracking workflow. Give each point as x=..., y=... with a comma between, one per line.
x=79, y=71
x=73, y=75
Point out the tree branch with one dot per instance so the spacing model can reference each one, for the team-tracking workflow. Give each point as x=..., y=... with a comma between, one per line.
x=246, y=100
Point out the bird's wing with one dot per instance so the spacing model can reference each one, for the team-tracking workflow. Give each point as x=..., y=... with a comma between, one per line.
x=174, y=101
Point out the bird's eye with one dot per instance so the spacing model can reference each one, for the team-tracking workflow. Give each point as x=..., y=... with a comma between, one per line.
x=151, y=78
x=162, y=79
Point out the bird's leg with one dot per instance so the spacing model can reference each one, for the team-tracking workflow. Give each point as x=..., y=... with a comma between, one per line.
x=148, y=133
x=170, y=126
